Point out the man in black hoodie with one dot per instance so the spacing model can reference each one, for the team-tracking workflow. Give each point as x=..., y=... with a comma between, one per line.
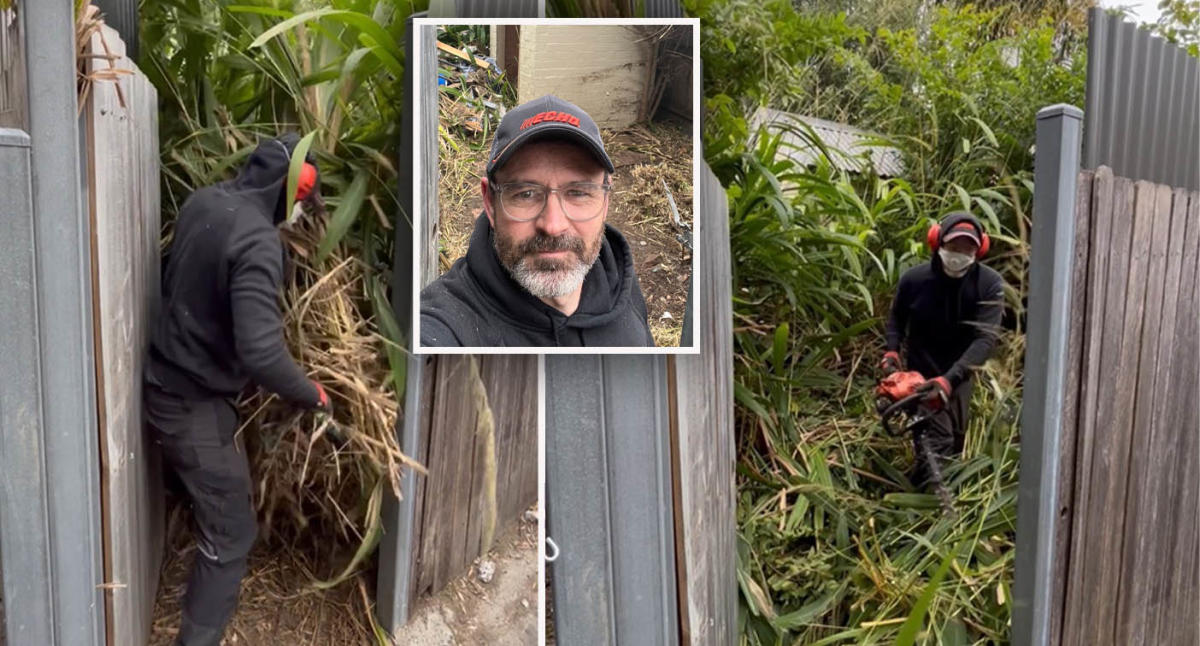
x=220, y=328
x=946, y=314
x=542, y=268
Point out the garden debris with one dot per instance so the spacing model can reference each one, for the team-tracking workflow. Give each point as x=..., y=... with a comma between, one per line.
x=308, y=489
x=486, y=63
x=487, y=569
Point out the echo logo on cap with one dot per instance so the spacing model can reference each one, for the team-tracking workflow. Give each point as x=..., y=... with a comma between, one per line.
x=552, y=115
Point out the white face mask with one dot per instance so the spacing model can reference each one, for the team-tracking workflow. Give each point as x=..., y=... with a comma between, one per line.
x=297, y=211
x=956, y=264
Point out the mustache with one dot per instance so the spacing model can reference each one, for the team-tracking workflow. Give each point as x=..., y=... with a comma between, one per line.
x=540, y=243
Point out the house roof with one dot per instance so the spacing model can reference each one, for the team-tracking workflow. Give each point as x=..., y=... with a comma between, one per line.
x=888, y=161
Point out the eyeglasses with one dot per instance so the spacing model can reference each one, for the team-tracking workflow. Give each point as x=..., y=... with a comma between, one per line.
x=525, y=201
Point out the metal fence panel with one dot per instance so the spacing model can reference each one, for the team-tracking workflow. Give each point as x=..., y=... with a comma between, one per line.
x=24, y=519
x=1142, y=108
x=609, y=506
x=67, y=361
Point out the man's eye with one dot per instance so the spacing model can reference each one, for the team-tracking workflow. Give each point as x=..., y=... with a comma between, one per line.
x=526, y=194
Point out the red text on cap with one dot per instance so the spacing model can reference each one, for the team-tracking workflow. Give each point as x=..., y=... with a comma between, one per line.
x=545, y=117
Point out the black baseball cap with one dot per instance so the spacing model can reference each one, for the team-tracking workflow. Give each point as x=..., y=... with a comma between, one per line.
x=548, y=117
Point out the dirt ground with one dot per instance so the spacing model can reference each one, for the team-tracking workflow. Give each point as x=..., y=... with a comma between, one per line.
x=279, y=606
x=644, y=156
x=500, y=613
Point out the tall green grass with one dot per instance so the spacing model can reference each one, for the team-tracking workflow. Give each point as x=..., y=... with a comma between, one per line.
x=835, y=547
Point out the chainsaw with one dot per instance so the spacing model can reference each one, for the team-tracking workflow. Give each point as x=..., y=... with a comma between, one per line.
x=899, y=394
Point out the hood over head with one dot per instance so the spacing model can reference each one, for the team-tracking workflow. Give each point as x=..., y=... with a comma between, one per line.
x=263, y=177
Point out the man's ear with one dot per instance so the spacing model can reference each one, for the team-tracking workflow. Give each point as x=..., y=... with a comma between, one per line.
x=488, y=207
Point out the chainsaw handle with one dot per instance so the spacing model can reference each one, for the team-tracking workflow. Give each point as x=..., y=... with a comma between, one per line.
x=895, y=408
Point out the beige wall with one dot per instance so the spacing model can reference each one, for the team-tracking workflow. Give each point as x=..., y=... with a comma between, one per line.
x=602, y=69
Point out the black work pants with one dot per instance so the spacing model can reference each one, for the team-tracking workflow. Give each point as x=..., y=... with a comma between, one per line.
x=943, y=432
x=198, y=446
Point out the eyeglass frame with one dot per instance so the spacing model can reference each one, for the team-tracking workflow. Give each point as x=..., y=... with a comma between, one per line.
x=496, y=188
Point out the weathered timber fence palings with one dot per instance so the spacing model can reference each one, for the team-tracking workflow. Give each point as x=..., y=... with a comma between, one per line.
x=1129, y=543
x=123, y=176
x=1107, y=537
x=450, y=514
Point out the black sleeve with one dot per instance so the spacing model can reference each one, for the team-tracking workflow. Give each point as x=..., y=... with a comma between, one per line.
x=256, y=273
x=435, y=334
x=985, y=327
x=897, y=321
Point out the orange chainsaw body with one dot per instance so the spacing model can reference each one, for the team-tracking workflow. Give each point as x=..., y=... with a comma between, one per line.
x=899, y=385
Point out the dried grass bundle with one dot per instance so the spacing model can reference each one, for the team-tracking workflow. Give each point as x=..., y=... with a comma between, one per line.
x=306, y=490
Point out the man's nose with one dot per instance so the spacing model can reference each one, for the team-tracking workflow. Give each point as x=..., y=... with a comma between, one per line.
x=552, y=221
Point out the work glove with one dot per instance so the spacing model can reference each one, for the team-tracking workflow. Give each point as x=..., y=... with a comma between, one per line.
x=324, y=418
x=890, y=363
x=937, y=391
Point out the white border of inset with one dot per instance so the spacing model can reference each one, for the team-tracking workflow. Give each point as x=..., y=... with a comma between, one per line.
x=541, y=547
x=421, y=23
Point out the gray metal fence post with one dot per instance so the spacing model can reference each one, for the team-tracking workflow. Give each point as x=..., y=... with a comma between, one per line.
x=1056, y=169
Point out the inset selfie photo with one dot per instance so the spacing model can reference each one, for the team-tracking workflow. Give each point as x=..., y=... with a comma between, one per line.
x=555, y=165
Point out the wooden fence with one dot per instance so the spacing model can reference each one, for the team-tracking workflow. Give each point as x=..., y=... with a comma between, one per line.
x=451, y=507
x=1128, y=539
x=123, y=204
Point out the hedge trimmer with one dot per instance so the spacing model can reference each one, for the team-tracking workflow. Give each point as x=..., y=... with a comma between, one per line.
x=900, y=394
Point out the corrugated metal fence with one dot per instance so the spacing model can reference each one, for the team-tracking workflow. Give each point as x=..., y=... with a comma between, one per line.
x=639, y=477
x=1142, y=112
x=50, y=502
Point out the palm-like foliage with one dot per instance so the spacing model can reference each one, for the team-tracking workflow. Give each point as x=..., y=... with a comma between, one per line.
x=228, y=74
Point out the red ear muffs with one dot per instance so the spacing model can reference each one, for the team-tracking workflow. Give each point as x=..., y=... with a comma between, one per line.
x=306, y=181
x=985, y=243
x=934, y=238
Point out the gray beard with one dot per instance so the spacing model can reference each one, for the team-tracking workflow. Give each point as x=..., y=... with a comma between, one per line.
x=554, y=283
x=543, y=280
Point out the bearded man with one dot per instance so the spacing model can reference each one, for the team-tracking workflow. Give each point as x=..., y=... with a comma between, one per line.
x=543, y=268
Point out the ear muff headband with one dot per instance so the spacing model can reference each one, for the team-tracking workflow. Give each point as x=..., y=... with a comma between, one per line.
x=934, y=237
x=306, y=181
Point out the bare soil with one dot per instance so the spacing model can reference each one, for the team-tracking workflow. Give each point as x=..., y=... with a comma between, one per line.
x=644, y=155
x=279, y=605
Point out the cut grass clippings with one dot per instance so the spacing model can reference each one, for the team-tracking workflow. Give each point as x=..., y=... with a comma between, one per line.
x=836, y=548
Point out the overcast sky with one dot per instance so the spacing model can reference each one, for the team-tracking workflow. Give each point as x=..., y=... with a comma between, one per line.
x=1145, y=10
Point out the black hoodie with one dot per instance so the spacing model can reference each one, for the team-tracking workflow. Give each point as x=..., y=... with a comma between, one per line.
x=220, y=326
x=950, y=324
x=478, y=304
